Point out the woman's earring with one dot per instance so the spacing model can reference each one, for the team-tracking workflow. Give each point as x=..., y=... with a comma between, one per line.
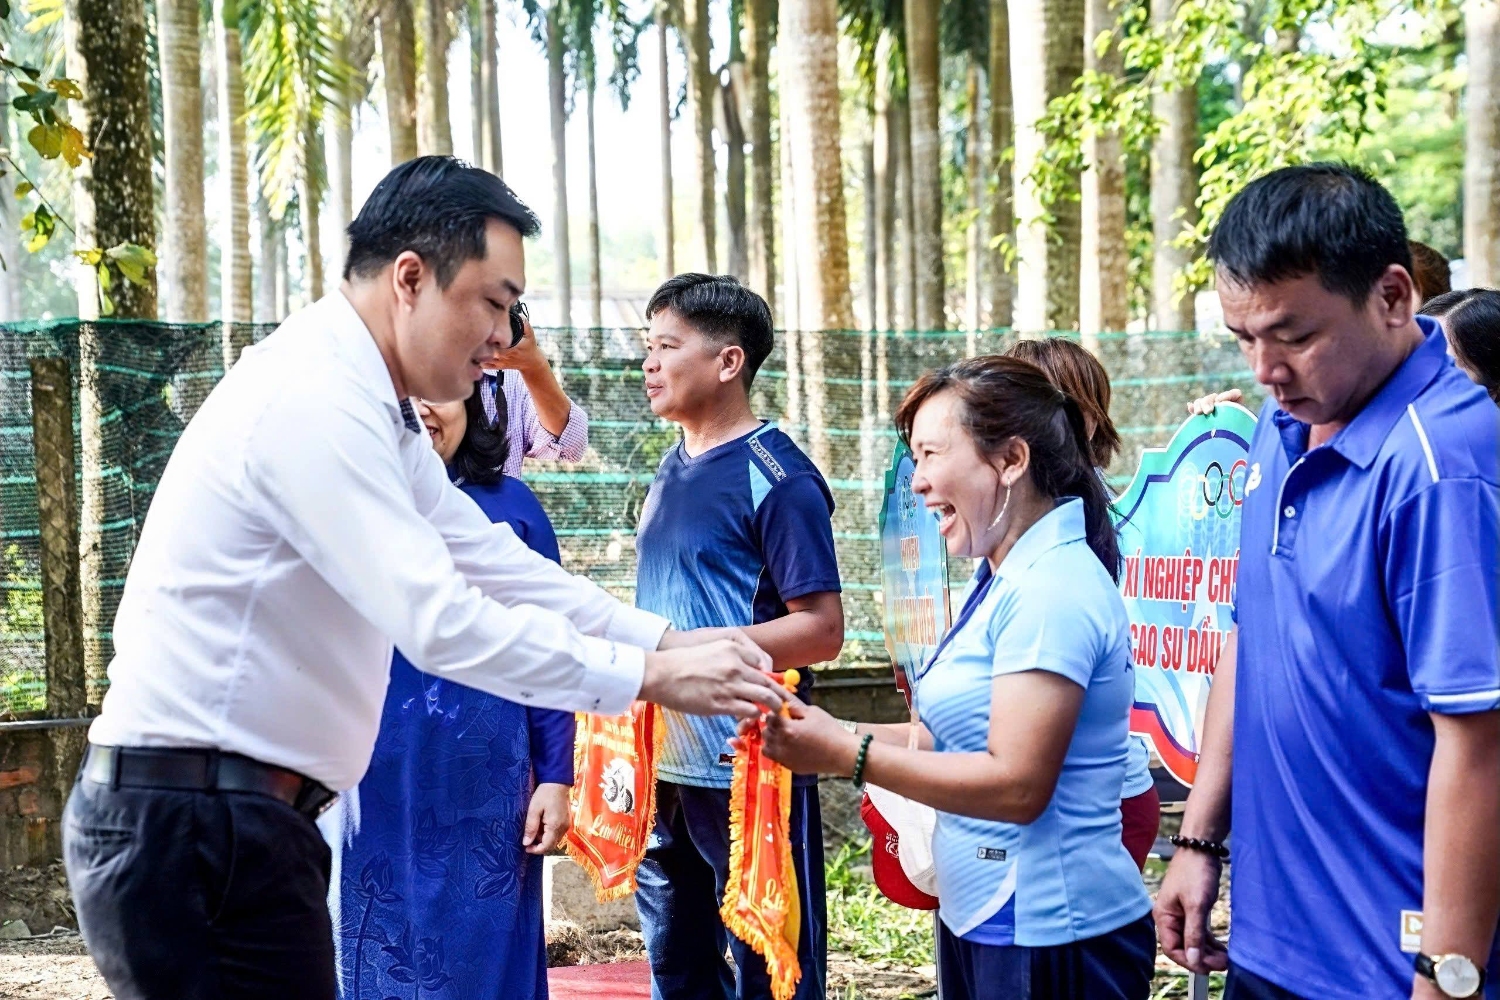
x=1002, y=509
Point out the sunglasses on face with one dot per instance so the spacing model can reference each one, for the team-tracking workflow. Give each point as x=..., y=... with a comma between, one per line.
x=519, y=317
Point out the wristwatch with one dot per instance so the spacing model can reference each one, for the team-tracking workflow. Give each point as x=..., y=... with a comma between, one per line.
x=1454, y=975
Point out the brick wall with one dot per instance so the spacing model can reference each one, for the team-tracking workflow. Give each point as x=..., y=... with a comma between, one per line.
x=30, y=799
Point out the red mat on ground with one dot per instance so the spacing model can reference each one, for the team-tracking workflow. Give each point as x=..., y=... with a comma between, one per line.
x=615, y=981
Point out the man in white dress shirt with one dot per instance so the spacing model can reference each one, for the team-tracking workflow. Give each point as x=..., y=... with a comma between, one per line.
x=304, y=524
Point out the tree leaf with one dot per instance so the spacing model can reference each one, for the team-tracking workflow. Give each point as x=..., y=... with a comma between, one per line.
x=66, y=87
x=47, y=140
x=35, y=104
x=38, y=241
x=74, y=149
x=23, y=189
x=132, y=260
x=90, y=256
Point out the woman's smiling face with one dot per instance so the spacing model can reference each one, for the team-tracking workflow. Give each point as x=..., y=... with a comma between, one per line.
x=953, y=478
x=445, y=423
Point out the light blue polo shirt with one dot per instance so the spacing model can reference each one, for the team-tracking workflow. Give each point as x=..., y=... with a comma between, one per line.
x=1369, y=596
x=1067, y=876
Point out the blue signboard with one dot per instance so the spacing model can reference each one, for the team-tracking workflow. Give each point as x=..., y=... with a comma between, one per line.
x=1179, y=523
x=914, y=573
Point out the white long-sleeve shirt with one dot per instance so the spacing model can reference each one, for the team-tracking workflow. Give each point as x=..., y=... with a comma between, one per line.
x=304, y=524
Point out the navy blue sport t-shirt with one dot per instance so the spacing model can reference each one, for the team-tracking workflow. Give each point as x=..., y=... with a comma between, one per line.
x=726, y=539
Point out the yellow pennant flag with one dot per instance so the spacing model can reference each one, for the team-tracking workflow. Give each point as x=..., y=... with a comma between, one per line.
x=760, y=902
x=614, y=796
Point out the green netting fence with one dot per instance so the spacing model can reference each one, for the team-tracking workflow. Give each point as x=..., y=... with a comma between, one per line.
x=139, y=383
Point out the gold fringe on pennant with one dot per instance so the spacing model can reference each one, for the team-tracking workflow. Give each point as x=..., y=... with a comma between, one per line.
x=780, y=955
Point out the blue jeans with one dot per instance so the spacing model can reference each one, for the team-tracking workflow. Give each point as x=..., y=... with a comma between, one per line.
x=1113, y=966
x=681, y=884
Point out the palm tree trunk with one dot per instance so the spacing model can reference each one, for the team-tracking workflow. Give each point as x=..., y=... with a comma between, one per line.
x=398, y=57
x=105, y=43
x=762, y=214
x=432, y=111
x=1482, y=144
x=596, y=281
x=1104, y=294
x=355, y=48
x=872, y=262
x=186, y=252
x=973, y=263
x=734, y=174
x=265, y=278
x=924, y=87
x=1174, y=188
x=791, y=306
x=283, y=274
x=234, y=173
x=1002, y=138
x=1047, y=279
x=885, y=192
x=557, y=91
x=489, y=96
x=476, y=84
x=809, y=37
x=732, y=95
x=906, y=254
x=664, y=93
x=10, y=276
x=702, y=91
x=309, y=195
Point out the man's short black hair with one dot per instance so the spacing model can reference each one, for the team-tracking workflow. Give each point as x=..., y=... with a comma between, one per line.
x=1328, y=219
x=723, y=310
x=437, y=207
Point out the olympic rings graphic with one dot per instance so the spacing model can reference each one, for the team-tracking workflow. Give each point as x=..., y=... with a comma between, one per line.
x=1219, y=490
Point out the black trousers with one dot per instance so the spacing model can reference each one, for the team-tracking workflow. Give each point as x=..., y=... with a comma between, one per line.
x=188, y=895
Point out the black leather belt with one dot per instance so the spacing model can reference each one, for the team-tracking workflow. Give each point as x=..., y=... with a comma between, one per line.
x=203, y=771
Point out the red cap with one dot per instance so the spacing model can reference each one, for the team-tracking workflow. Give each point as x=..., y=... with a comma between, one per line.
x=885, y=862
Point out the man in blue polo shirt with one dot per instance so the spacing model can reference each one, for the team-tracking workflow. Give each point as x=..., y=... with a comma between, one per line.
x=736, y=530
x=1357, y=725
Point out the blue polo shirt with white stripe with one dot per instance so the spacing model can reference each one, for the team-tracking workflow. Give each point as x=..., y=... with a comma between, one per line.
x=1066, y=876
x=1369, y=592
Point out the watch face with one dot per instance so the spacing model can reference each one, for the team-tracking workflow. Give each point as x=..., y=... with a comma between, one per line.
x=1457, y=976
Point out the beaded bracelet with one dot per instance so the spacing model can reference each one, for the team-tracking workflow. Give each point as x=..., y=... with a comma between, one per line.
x=858, y=778
x=1211, y=847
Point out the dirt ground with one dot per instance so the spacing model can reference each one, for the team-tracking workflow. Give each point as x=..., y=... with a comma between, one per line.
x=56, y=967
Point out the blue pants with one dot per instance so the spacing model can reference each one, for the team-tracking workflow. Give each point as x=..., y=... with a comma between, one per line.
x=1113, y=966
x=1243, y=985
x=682, y=880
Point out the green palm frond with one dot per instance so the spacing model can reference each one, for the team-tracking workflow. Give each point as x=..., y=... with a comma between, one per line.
x=625, y=41
x=292, y=75
x=865, y=21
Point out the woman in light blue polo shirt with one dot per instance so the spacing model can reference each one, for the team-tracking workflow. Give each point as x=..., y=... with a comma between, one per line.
x=1024, y=708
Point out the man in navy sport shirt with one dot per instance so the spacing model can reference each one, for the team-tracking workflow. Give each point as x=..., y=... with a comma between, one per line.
x=1355, y=727
x=736, y=530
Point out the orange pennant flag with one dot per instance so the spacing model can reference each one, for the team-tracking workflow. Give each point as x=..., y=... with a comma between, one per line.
x=614, y=796
x=761, y=903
